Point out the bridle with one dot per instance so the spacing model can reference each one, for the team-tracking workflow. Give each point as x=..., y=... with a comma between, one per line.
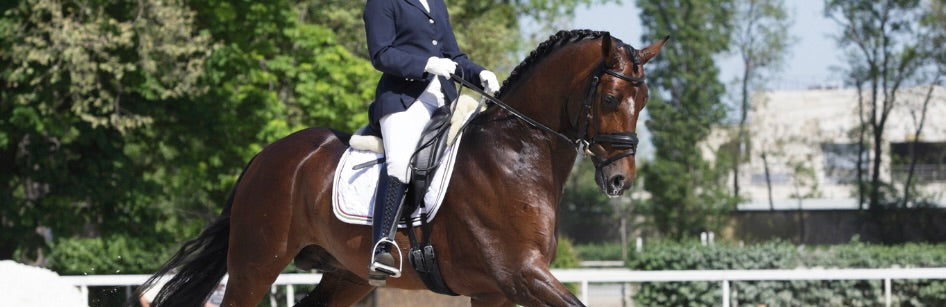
x=619, y=140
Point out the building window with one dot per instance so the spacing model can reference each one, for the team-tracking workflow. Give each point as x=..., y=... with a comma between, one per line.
x=840, y=162
x=930, y=161
x=777, y=178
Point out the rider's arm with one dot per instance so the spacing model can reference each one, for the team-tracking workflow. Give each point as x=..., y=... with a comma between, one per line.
x=380, y=28
x=471, y=71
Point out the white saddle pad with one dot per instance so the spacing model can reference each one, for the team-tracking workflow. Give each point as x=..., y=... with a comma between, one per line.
x=354, y=190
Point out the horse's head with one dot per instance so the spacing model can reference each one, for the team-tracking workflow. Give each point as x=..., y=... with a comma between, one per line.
x=618, y=96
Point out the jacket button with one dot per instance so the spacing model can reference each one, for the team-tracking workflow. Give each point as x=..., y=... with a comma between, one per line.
x=430, y=20
x=434, y=42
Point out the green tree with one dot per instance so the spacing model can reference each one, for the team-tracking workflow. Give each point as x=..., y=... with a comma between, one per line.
x=760, y=39
x=883, y=55
x=76, y=79
x=137, y=119
x=933, y=30
x=688, y=194
x=282, y=76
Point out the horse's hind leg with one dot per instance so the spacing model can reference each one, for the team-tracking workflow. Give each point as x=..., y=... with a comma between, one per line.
x=261, y=244
x=340, y=288
x=250, y=281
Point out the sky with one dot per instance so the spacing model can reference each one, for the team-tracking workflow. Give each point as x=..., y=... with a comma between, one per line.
x=813, y=61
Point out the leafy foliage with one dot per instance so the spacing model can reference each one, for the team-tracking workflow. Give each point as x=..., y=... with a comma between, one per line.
x=782, y=255
x=106, y=255
x=599, y=251
x=688, y=195
x=565, y=256
x=77, y=81
x=137, y=119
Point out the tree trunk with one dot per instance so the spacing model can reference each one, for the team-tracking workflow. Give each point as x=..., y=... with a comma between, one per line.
x=768, y=181
x=875, y=169
x=741, y=138
x=874, y=175
x=862, y=129
x=916, y=139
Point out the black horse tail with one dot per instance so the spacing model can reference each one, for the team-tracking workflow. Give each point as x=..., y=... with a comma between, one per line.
x=198, y=265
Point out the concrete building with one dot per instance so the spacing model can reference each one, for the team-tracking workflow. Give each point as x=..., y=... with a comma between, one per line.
x=807, y=140
x=799, y=180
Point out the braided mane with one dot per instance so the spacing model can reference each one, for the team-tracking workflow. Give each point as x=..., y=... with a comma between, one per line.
x=560, y=39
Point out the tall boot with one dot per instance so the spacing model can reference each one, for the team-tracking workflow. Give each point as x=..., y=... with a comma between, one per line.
x=387, y=208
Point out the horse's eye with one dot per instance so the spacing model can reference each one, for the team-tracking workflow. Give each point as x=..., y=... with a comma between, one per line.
x=610, y=100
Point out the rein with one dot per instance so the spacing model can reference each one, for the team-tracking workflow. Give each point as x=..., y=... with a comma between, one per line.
x=509, y=109
x=623, y=140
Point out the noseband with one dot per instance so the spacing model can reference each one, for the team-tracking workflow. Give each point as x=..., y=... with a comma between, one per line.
x=619, y=140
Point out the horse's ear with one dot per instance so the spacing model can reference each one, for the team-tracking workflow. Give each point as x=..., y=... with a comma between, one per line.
x=651, y=51
x=609, y=50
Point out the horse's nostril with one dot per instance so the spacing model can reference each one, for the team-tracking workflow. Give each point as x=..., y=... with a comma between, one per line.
x=617, y=182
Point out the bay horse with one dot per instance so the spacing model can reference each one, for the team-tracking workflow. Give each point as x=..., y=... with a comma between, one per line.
x=495, y=234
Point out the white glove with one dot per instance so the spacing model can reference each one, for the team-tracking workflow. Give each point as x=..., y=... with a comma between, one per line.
x=440, y=66
x=490, y=84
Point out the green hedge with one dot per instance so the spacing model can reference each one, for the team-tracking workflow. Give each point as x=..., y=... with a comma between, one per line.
x=599, y=251
x=108, y=255
x=783, y=255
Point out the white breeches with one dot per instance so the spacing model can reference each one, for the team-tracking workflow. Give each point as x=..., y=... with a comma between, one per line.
x=401, y=131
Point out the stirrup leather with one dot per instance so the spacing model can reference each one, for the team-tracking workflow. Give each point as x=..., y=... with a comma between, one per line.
x=383, y=268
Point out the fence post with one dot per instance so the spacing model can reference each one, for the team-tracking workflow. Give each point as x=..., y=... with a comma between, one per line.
x=290, y=295
x=84, y=290
x=725, y=293
x=584, y=291
x=887, y=299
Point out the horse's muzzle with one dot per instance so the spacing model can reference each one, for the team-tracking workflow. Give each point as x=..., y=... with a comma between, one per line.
x=612, y=183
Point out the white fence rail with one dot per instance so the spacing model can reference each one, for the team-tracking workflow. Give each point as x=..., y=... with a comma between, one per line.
x=586, y=276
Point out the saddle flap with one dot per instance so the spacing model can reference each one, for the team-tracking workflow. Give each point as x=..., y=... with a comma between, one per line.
x=429, y=154
x=432, y=141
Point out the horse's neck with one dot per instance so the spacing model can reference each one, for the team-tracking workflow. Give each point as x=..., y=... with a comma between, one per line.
x=543, y=96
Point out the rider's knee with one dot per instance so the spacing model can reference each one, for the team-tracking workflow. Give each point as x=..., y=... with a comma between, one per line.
x=399, y=170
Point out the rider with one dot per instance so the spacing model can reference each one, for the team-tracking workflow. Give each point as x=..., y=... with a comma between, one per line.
x=412, y=43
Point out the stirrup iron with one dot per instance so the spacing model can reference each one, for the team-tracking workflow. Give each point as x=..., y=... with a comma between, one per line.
x=383, y=268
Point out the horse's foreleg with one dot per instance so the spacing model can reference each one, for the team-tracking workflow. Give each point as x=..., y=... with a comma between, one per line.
x=336, y=289
x=536, y=286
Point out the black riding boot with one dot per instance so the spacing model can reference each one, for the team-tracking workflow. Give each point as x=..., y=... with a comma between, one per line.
x=387, y=208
